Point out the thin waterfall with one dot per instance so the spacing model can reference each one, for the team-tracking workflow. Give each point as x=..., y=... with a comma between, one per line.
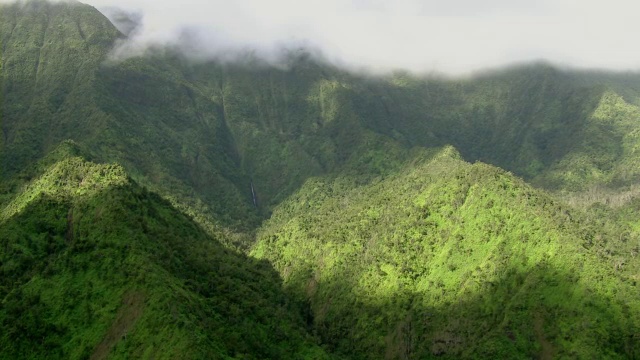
x=253, y=194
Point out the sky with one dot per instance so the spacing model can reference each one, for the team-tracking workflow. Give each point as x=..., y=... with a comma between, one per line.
x=452, y=36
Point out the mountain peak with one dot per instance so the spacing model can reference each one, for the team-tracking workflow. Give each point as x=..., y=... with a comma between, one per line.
x=41, y=22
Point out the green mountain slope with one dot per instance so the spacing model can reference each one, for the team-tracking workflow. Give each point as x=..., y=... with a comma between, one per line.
x=93, y=265
x=52, y=58
x=560, y=129
x=204, y=134
x=49, y=56
x=388, y=238
x=449, y=259
x=605, y=151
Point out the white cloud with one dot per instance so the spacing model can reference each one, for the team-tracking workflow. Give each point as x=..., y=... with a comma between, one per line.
x=456, y=36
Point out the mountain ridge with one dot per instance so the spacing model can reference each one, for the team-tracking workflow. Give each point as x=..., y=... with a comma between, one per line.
x=159, y=206
x=99, y=267
x=229, y=106
x=448, y=259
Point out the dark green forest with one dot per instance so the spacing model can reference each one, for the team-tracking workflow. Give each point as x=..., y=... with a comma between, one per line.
x=161, y=207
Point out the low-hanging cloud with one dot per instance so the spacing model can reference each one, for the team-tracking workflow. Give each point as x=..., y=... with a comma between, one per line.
x=455, y=37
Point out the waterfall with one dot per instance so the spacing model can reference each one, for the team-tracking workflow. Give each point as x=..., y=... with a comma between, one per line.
x=253, y=194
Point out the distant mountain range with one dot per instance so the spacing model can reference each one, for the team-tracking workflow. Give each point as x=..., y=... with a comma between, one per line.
x=159, y=207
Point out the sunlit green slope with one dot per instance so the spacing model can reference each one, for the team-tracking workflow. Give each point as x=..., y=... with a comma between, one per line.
x=94, y=266
x=449, y=259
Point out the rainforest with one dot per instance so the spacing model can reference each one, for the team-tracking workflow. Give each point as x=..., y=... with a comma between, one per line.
x=159, y=207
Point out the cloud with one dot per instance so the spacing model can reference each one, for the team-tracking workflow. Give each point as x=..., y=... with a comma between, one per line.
x=128, y=22
x=456, y=36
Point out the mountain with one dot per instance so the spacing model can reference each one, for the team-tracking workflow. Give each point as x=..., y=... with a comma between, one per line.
x=161, y=204
x=452, y=260
x=205, y=133
x=95, y=266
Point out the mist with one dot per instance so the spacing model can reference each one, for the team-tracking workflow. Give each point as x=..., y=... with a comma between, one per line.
x=456, y=37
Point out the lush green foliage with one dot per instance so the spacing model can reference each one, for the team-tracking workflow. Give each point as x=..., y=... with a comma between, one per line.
x=93, y=265
x=202, y=133
x=450, y=259
x=389, y=242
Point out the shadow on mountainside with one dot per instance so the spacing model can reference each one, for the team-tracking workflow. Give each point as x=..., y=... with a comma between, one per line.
x=222, y=128
x=544, y=312
x=121, y=273
x=522, y=119
x=454, y=260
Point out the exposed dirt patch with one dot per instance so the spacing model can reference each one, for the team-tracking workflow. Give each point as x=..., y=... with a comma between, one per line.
x=547, y=347
x=127, y=316
x=400, y=342
x=312, y=288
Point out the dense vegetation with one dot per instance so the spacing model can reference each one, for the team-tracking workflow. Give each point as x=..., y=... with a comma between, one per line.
x=449, y=259
x=93, y=265
x=240, y=210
